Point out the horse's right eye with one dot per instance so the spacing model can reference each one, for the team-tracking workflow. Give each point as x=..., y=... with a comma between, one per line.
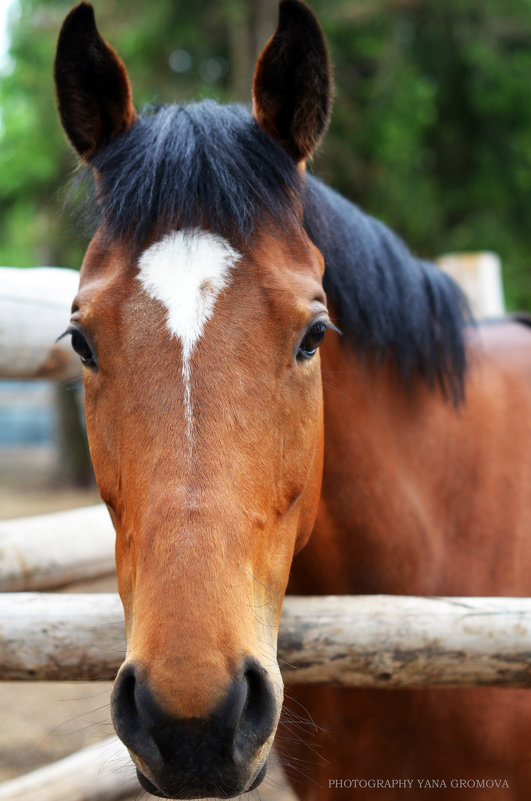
x=82, y=348
x=311, y=341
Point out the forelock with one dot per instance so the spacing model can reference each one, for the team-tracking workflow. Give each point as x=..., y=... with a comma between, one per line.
x=198, y=165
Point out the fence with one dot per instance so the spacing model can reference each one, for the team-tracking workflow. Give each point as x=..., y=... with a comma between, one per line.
x=356, y=641
x=371, y=641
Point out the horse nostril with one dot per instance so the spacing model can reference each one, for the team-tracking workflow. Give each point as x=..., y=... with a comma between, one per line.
x=260, y=702
x=258, y=716
x=129, y=718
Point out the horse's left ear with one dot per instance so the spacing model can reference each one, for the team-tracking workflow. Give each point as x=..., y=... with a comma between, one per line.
x=292, y=87
x=93, y=91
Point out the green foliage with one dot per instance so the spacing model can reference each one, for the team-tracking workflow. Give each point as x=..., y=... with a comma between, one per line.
x=434, y=101
x=431, y=129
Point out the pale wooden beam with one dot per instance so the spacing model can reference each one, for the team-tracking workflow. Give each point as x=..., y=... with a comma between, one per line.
x=480, y=277
x=357, y=641
x=52, y=550
x=35, y=310
x=101, y=772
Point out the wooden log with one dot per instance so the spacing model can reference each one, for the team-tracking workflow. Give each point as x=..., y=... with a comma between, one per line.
x=359, y=641
x=101, y=772
x=104, y=772
x=52, y=550
x=34, y=311
x=51, y=637
x=406, y=641
x=480, y=277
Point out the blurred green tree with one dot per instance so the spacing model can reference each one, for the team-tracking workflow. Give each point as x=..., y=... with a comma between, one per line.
x=431, y=130
x=432, y=123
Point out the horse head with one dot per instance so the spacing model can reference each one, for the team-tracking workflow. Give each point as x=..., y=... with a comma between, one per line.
x=198, y=320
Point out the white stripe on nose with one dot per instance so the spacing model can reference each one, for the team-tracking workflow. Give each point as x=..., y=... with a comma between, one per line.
x=186, y=270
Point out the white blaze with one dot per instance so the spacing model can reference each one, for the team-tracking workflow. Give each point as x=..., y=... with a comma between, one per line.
x=186, y=271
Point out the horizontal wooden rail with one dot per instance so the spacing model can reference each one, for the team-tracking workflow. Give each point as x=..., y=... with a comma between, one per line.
x=52, y=550
x=101, y=772
x=34, y=311
x=358, y=641
x=104, y=772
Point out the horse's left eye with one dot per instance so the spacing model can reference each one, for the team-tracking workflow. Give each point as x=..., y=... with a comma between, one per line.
x=82, y=348
x=311, y=341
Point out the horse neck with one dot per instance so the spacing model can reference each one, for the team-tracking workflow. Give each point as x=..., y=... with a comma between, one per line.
x=416, y=496
x=370, y=482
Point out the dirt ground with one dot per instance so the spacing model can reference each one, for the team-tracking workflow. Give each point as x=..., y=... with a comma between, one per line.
x=42, y=722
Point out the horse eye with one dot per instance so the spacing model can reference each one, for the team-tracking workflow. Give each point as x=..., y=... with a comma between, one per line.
x=311, y=341
x=82, y=348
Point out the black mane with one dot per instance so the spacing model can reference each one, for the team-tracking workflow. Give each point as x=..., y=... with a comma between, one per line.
x=210, y=164
x=388, y=302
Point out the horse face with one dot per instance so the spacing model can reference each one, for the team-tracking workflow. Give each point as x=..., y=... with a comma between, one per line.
x=205, y=424
x=204, y=416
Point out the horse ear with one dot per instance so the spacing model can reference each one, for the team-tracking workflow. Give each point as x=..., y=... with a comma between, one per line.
x=292, y=87
x=93, y=91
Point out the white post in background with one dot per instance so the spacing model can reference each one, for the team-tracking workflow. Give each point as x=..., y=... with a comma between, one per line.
x=480, y=277
x=34, y=310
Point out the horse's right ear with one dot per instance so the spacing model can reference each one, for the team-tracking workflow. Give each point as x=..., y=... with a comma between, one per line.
x=93, y=91
x=292, y=86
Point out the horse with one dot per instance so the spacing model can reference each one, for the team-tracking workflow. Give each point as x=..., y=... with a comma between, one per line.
x=280, y=396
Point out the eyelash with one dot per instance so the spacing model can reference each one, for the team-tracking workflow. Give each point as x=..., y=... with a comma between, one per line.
x=81, y=346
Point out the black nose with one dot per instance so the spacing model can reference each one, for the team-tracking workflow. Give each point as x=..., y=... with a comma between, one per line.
x=197, y=757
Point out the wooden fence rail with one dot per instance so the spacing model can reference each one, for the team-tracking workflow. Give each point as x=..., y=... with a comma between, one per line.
x=52, y=550
x=361, y=641
x=101, y=772
x=34, y=311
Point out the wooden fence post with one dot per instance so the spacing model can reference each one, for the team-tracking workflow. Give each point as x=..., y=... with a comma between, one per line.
x=480, y=277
